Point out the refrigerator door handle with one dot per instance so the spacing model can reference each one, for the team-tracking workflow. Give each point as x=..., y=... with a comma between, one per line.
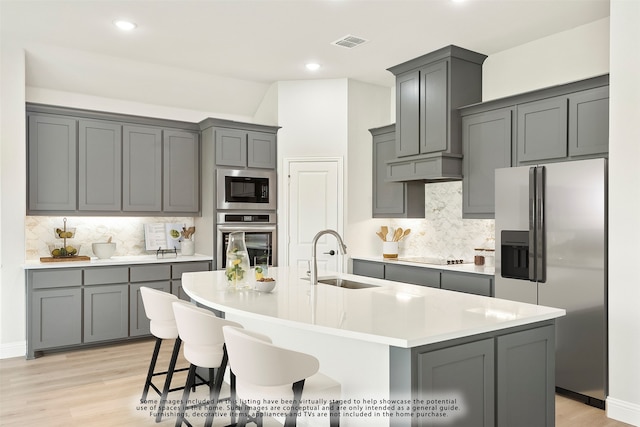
x=532, y=224
x=541, y=256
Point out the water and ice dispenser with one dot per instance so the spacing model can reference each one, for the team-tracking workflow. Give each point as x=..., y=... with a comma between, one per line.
x=514, y=246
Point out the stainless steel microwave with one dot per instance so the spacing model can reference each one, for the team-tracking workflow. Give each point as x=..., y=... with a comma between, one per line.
x=246, y=189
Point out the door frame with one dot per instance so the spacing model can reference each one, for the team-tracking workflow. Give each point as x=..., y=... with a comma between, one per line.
x=285, y=201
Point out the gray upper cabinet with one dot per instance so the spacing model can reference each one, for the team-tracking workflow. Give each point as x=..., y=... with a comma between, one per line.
x=92, y=163
x=52, y=170
x=486, y=144
x=392, y=199
x=99, y=166
x=589, y=122
x=542, y=130
x=429, y=89
x=181, y=185
x=241, y=148
x=142, y=169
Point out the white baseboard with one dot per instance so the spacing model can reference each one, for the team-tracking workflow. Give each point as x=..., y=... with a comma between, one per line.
x=15, y=349
x=623, y=411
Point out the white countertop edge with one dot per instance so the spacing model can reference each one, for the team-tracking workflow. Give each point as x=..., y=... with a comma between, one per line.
x=544, y=314
x=460, y=268
x=116, y=260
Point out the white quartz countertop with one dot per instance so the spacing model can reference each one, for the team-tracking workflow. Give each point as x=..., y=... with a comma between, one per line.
x=391, y=313
x=467, y=267
x=116, y=260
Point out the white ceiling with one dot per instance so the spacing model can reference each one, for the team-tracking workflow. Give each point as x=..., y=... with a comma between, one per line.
x=263, y=41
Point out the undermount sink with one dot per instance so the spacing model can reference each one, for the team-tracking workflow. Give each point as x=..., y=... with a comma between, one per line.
x=344, y=283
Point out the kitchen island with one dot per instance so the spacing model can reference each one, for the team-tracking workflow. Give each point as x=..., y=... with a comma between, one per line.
x=405, y=355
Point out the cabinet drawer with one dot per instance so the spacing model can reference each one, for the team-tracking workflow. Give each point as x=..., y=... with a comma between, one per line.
x=186, y=267
x=414, y=275
x=470, y=284
x=368, y=268
x=146, y=273
x=55, y=278
x=106, y=275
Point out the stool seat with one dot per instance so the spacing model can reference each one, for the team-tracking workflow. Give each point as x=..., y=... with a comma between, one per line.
x=263, y=370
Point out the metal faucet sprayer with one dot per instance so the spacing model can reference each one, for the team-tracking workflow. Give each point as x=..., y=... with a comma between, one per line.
x=314, y=262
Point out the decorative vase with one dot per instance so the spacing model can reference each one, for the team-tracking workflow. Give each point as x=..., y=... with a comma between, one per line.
x=238, y=266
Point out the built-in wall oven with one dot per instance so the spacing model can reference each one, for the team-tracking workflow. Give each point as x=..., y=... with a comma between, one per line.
x=260, y=235
x=246, y=189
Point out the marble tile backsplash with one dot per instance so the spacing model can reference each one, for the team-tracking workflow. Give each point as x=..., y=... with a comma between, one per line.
x=126, y=232
x=443, y=232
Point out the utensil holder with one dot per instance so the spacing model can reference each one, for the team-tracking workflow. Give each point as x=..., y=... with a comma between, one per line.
x=390, y=249
x=187, y=247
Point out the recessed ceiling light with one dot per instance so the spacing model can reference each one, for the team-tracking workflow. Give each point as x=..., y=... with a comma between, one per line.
x=124, y=25
x=312, y=66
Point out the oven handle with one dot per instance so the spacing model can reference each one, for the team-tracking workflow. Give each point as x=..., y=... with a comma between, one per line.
x=250, y=228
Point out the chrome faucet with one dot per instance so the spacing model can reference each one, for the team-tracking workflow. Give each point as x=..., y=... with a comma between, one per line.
x=314, y=262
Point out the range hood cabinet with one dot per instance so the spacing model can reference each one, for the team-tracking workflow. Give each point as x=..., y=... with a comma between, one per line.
x=429, y=90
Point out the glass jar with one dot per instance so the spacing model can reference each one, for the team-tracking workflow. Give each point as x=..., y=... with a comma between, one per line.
x=238, y=266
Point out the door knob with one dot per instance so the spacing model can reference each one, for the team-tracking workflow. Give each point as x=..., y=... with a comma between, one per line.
x=331, y=252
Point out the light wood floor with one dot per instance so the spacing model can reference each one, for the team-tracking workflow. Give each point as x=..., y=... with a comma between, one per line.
x=102, y=386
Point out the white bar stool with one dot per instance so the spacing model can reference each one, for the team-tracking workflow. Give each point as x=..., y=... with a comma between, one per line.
x=204, y=347
x=158, y=308
x=265, y=371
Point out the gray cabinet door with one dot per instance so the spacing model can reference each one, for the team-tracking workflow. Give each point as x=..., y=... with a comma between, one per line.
x=469, y=283
x=138, y=320
x=589, y=122
x=434, y=109
x=466, y=373
x=392, y=199
x=408, y=114
x=106, y=312
x=99, y=166
x=181, y=181
x=414, y=275
x=525, y=378
x=231, y=147
x=52, y=148
x=56, y=317
x=486, y=146
x=261, y=150
x=178, y=269
x=542, y=130
x=142, y=169
x=368, y=268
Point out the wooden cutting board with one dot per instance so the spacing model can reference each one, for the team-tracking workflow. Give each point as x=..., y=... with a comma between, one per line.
x=65, y=259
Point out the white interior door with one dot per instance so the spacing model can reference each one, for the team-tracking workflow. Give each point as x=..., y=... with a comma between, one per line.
x=314, y=203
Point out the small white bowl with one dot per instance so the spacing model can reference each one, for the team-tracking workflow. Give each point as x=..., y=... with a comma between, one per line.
x=103, y=250
x=265, y=286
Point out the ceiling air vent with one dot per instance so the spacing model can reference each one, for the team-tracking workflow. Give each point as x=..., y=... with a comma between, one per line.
x=349, y=41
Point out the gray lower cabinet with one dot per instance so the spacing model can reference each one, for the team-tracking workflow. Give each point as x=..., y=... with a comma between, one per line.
x=99, y=166
x=472, y=283
x=71, y=307
x=486, y=145
x=525, y=380
x=465, y=372
x=501, y=378
x=392, y=199
x=477, y=284
x=414, y=275
x=368, y=268
x=52, y=170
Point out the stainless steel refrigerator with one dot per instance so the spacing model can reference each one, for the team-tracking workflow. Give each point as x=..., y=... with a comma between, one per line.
x=551, y=249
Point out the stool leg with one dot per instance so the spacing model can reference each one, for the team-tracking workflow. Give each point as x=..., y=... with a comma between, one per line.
x=291, y=420
x=191, y=378
x=167, y=381
x=334, y=413
x=243, y=415
x=233, y=397
x=214, y=392
x=152, y=367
